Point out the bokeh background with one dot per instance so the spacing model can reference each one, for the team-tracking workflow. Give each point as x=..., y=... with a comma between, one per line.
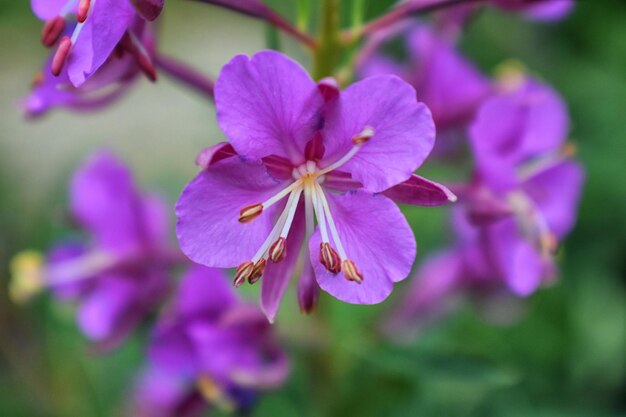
x=566, y=356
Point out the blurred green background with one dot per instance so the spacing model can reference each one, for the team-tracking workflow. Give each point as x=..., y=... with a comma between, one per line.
x=565, y=357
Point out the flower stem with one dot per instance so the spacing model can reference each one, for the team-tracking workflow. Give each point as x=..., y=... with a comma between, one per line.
x=328, y=51
x=186, y=75
x=410, y=8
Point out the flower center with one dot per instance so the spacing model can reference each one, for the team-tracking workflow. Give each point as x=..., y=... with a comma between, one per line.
x=308, y=180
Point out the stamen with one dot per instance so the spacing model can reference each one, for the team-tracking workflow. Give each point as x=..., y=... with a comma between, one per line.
x=331, y=221
x=308, y=211
x=251, y=212
x=80, y=268
x=546, y=161
x=358, y=140
x=244, y=272
x=319, y=212
x=76, y=33
x=213, y=394
x=60, y=56
x=278, y=250
x=257, y=272
x=533, y=224
x=292, y=212
x=351, y=272
x=83, y=10
x=252, y=270
x=366, y=134
x=273, y=200
x=52, y=30
x=275, y=230
x=329, y=258
x=549, y=244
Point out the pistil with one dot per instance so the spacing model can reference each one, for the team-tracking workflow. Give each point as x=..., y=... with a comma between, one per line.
x=30, y=275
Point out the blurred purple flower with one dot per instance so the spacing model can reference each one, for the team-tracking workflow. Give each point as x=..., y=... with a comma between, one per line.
x=521, y=203
x=445, y=81
x=103, y=27
x=212, y=348
x=110, y=82
x=347, y=152
x=121, y=274
x=532, y=121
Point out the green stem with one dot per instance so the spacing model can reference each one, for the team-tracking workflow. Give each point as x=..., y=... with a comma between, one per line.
x=326, y=56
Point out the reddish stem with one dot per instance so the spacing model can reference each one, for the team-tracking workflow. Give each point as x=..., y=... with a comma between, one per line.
x=186, y=75
x=403, y=11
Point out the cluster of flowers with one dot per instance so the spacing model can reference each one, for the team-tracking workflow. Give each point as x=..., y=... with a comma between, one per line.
x=305, y=187
x=207, y=345
x=524, y=188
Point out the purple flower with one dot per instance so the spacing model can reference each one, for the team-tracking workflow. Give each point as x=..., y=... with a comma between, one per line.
x=121, y=273
x=445, y=81
x=210, y=347
x=345, y=152
x=103, y=27
x=526, y=189
x=163, y=394
x=532, y=121
x=521, y=203
x=109, y=83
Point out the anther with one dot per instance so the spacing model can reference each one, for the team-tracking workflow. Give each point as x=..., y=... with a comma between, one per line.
x=244, y=271
x=83, y=10
x=329, y=258
x=278, y=250
x=257, y=272
x=251, y=212
x=60, y=56
x=366, y=134
x=52, y=30
x=569, y=149
x=351, y=272
x=548, y=243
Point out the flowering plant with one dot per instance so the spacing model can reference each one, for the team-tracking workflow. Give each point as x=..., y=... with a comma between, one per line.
x=314, y=186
